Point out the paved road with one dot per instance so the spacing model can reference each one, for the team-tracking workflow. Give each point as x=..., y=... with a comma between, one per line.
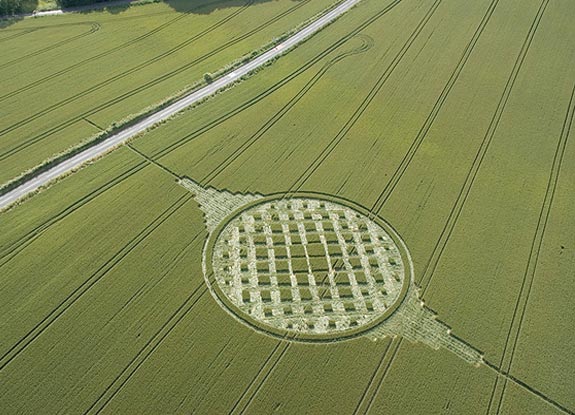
x=124, y=135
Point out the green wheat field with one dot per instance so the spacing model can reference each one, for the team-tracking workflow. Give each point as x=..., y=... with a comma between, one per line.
x=452, y=120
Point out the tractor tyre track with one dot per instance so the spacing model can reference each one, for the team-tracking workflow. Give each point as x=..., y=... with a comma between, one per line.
x=95, y=26
x=42, y=81
x=27, y=143
x=108, y=52
x=256, y=384
x=154, y=342
x=529, y=388
x=327, y=151
x=176, y=145
x=150, y=347
x=4, y=362
x=102, y=271
x=368, y=398
x=373, y=379
x=479, y=157
x=472, y=174
x=385, y=364
x=366, y=45
x=518, y=318
x=129, y=371
x=22, y=33
x=127, y=72
x=7, y=254
x=280, y=349
x=398, y=174
x=247, y=104
x=307, y=174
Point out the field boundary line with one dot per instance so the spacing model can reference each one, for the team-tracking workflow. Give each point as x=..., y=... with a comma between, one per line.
x=28, y=238
x=121, y=137
x=93, y=124
x=245, y=105
x=124, y=45
x=143, y=87
x=153, y=162
x=40, y=327
x=121, y=75
x=284, y=110
x=385, y=364
x=422, y=133
x=366, y=101
x=94, y=27
x=90, y=59
x=128, y=121
x=529, y=388
x=536, y=245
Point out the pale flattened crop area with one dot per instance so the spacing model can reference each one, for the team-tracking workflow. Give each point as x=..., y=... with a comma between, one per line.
x=452, y=121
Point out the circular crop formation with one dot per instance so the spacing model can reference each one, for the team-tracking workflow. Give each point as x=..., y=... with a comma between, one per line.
x=308, y=268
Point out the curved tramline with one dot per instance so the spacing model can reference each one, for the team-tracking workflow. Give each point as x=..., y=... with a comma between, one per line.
x=124, y=135
x=366, y=44
x=424, y=130
x=245, y=105
x=115, y=49
x=377, y=225
x=91, y=59
x=22, y=32
x=135, y=69
x=367, y=101
x=94, y=27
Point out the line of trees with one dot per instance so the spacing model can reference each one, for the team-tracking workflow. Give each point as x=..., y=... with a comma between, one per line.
x=8, y=7
x=72, y=3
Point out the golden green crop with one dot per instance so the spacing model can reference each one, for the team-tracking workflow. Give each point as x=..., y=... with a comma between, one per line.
x=451, y=120
x=73, y=76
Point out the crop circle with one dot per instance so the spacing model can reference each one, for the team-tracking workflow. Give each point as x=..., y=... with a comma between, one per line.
x=307, y=267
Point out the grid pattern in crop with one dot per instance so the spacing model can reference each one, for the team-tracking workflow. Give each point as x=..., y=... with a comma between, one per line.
x=308, y=265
